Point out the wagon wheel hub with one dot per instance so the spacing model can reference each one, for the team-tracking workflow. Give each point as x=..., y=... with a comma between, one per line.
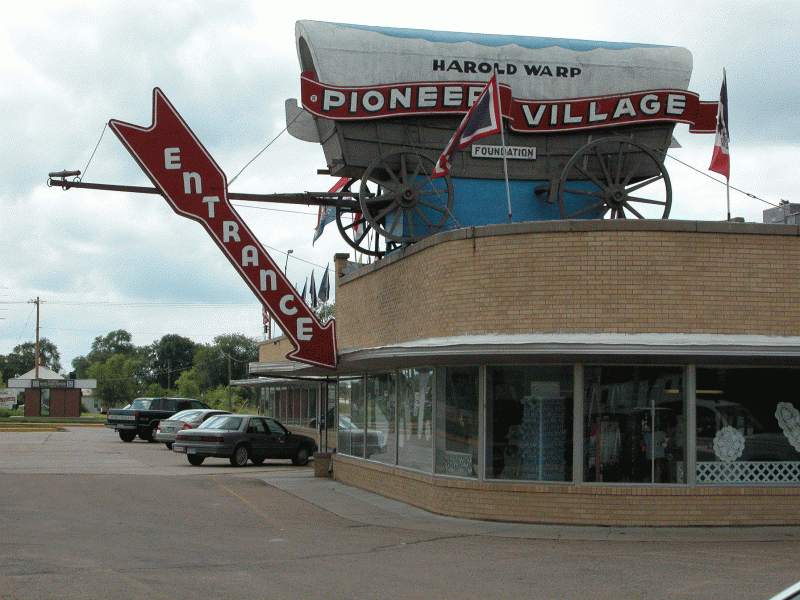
x=408, y=197
x=615, y=196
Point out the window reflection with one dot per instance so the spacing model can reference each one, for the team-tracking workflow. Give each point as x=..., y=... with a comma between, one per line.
x=381, y=431
x=634, y=425
x=458, y=422
x=529, y=423
x=748, y=425
x=414, y=419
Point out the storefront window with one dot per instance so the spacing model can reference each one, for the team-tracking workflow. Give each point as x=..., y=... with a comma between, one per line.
x=634, y=429
x=414, y=414
x=457, y=422
x=350, y=430
x=529, y=423
x=748, y=425
x=381, y=430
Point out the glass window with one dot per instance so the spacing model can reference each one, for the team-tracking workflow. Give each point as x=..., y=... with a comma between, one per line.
x=44, y=402
x=748, y=425
x=529, y=423
x=457, y=422
x=414, y=414
x=381, y=437
x=350, y=433
x=634, y=428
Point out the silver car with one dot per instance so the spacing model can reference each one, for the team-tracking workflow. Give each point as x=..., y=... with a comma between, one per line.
x=186, y=419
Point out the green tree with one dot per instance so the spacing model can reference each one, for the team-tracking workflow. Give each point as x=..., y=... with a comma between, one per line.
x=120, y=379
x=187, y=384
x=169, y=357
x=116, y=342
x=22, y=358
x=211, y=361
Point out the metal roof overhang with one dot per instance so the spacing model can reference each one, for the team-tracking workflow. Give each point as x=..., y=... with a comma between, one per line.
x=641, y=349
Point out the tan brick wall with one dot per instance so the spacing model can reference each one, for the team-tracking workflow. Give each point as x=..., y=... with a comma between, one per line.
x=602, y=277
x=274, y=350
x=609, y=505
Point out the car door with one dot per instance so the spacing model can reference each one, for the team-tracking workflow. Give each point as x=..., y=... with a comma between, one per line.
x=258, y=435
x=280, y=446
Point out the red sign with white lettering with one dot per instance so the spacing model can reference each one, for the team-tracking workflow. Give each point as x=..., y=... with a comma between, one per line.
x=194, y=185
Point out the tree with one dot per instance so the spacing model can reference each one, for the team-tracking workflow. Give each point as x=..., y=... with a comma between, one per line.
x=120, y=379
x=187, y=384
x=116, y=342
x=170, y=356
x=211, y=361
x=22, y=358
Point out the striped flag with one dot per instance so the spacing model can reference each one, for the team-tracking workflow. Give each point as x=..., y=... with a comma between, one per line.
x=720, y=160
x=483, y=119
x=328, y=213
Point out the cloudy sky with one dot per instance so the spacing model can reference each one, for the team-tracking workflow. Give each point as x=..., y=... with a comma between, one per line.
x=102, y=261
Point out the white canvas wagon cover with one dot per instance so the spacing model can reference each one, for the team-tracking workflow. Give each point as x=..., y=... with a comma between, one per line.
x=534, y=67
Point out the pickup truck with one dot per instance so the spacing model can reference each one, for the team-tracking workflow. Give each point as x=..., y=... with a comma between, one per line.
x=144, y=414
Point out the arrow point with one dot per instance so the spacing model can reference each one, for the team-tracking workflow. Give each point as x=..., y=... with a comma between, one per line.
x=321, y=351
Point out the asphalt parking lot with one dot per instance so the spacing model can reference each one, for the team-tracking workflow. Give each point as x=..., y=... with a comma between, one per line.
x=84, y=515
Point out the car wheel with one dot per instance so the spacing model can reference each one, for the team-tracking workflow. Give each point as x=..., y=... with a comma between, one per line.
x=151, y=436
x=195, y=460
x=301, y=456
x=127, y=435
x=168, y=445
x=240, y=456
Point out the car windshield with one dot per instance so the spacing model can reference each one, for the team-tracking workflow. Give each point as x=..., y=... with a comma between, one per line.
x=141, y=404
x=185, y=415
x=223, y=422
x=345, y=423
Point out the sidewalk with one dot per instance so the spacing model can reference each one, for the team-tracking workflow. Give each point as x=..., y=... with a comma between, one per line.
x=367, y=508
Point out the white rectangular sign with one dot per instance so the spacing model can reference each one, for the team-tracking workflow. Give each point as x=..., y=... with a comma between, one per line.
x=518, y=152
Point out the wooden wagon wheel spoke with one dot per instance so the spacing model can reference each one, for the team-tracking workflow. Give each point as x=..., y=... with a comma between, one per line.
x=603, y=165
x=581, y=192
x=633, y=210
x=423, y=216
x=406, y=183
x=645, y=200
x=433, y=206
x=627, y=166
x=585, y=210
x=644, y=183
x=590, y=176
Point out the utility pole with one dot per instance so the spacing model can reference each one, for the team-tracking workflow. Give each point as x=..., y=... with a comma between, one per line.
x=230, y=404
x=37, y=302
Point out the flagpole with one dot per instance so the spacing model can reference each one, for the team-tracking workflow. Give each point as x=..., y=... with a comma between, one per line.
x=505, y=158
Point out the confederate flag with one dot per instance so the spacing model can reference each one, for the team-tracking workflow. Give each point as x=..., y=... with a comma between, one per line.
x=720, y=160
x=482, y=119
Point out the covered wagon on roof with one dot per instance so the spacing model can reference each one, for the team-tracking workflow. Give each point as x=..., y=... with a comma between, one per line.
x=587, y=124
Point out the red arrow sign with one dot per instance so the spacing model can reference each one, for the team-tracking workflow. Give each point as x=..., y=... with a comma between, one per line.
x=194, y=185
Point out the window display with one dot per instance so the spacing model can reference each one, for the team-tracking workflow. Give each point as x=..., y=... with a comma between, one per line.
x=529, y=423
x=748, y=425
x=634, y=425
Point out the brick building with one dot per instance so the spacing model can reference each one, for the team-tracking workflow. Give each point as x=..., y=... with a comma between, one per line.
x=589, y=372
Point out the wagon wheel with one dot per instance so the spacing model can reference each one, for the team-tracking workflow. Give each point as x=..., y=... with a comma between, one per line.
x=615, y=176
x=359, y=234
x=409, y=205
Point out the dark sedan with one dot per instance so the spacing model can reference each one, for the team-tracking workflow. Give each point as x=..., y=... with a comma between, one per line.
x=241, y=438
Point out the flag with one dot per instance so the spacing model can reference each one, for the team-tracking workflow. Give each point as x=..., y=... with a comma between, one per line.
x=720, y=160
x=482, y=119
x=324, y=287
x=305, y=286
x=313, y=291
x=265, y=318
x=328, y=213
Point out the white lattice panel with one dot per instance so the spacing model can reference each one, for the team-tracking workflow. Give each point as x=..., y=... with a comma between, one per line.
x=748, y=472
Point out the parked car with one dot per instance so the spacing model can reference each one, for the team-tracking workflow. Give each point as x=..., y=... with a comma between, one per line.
x=352, y=436
x=240, y=438
x=186, y=419
x=143, y=415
